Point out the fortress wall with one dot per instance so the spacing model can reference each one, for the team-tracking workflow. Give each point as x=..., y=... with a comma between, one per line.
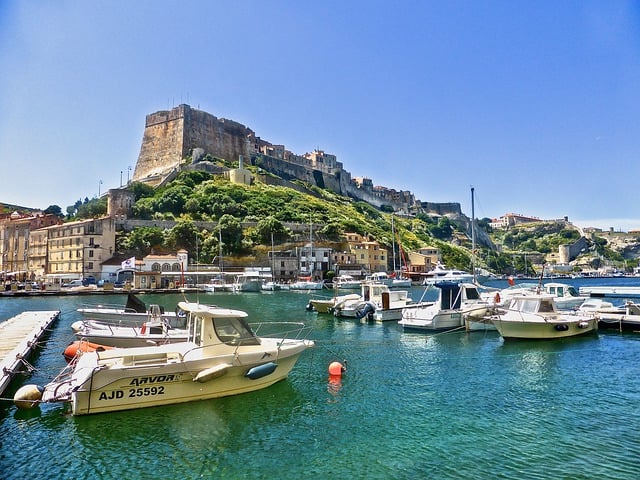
x=162, y=143
x=441, y=208
x=219, y=137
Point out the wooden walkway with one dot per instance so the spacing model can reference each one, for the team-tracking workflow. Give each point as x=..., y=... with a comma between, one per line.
x=611, y=291
x=18, y=337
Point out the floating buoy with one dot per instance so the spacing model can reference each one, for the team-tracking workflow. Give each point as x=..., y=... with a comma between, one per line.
x=336, y=369
x=511, y=281
x=28, y=396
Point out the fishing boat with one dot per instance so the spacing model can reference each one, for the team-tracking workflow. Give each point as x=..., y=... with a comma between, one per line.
x=223, y=356
x=536, y=317
x=455, y=302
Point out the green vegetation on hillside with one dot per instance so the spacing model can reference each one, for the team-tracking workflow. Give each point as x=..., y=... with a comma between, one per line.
x=248, y=216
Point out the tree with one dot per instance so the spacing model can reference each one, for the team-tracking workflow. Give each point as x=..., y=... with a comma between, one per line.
x=184, y=234
x=54, y=210
x=271, y=226
x=142, y=239
x=231, y=233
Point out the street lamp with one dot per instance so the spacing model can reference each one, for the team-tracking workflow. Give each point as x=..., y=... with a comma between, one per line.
x=99, y=183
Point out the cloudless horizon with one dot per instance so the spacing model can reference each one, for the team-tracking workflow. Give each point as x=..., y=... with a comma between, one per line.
x=534, y=104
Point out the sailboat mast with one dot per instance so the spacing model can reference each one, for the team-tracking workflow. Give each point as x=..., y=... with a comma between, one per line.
x=473, y=235
x=393, y=243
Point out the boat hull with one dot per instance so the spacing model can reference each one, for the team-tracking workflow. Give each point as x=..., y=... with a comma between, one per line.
x=514, y=329
x=161, y=376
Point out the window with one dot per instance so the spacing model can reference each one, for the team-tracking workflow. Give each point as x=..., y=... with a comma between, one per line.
x=234, y=331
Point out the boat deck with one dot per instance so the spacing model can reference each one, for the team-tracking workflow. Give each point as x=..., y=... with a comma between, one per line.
x=18, y=337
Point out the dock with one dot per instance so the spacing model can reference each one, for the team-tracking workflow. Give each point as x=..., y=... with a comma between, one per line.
x=19, y=336
x=620, y=291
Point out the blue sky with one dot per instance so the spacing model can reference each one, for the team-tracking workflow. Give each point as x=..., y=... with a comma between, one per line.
x=535, y=104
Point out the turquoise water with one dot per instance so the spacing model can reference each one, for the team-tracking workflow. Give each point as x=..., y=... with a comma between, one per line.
x=461, y=405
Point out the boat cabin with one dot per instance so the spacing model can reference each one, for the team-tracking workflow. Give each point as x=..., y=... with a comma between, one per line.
x=533, y=304
x=452, y=294
x=209, y=326
x=560, y=290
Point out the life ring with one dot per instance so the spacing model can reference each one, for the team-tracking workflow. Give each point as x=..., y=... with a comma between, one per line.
x=143, y=329
x=496, y=299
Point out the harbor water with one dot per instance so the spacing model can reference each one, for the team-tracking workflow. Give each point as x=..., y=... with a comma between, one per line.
x=410, y=405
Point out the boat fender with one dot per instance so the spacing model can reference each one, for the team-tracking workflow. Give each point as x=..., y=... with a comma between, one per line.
x=496, y=299
x=261, y=370
x=211, y=373
x=562, y=327
x=309, y=307
x=28, y=396
x=143, y=329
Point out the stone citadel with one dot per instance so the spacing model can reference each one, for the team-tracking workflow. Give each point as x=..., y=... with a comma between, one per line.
x=174, y=138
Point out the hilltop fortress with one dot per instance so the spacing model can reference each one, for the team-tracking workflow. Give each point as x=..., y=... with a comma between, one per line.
x=183, y=137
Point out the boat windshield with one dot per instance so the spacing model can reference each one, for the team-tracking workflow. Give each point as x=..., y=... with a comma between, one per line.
x=234, y=331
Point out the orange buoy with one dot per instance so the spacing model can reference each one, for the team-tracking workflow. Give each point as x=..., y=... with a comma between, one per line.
x=336, y=369
x=496, y=299
x=82, y=346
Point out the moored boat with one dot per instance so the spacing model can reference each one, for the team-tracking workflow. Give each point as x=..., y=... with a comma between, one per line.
x=223, y=356
x=455, y=302
x=536, y=317
x=376, y=301
x=154, y=332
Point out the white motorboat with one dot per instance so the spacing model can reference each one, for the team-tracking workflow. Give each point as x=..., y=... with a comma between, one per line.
x=536, y=317
x=455, y=303
x=270, y=286
x=153, y=332
x=327, y=304
x=379, y=277
x=134, y=313
x=440, y=274
x=223, y=356
x=248, y=282
x=346, y=282
x=306, y=283
x=624, y=318
x=376, y=301
x=400, y=282
x=565, y=296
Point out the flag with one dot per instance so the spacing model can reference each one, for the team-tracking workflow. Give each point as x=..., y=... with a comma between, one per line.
x=129, y=263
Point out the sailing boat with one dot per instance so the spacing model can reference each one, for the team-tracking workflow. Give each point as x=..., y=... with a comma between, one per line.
x=271, y=285
x=399, y=280
x=308, y=283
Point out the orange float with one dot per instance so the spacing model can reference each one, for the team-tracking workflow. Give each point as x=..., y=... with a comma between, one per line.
x=82, y=346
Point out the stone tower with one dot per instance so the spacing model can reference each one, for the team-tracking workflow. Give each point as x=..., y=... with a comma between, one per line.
x=171, y=135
